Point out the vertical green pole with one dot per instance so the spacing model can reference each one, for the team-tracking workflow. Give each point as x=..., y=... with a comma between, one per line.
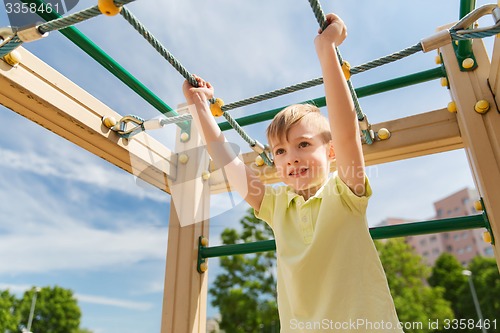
x=464, y=49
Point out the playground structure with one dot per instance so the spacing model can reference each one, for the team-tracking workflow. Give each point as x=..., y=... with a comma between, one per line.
x=39, y=93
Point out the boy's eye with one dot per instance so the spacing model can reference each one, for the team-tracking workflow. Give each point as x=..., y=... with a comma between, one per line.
x=279, y=151
x=303, y=144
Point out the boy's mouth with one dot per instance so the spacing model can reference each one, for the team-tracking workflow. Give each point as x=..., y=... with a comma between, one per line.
x=298, y=172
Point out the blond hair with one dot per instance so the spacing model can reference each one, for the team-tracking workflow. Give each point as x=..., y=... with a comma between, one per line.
x=291, y=115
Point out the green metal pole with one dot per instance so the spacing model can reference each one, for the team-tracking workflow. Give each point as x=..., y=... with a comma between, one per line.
x=84, y=43
x=373, y=89
x=465, y=46
x=400, y=230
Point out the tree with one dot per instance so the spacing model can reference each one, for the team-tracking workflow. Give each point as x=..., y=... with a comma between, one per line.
x=486, y=281
x=447, y=274
x=246, y=293
x=416, y=303
x=9, y=319
x=56, y=310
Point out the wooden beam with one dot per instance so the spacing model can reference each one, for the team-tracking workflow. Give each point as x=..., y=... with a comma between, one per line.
x=185, y=291
x=494, y=75
x=480, y=132
x=38, y=92
x=418, y=135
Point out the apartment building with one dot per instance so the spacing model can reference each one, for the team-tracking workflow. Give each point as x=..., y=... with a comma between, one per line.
x=463, y=244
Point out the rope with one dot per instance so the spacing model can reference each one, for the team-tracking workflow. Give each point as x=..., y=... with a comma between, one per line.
x=474, y=35
x=143, y=31
x=321, y=18
x=134, y=22
x=59, y=24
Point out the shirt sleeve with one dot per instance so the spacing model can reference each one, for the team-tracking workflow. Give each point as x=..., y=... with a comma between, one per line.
x=266, y=210
x=355, y=203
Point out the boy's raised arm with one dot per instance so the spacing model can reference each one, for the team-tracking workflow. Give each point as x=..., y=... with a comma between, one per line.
x=240, y=177
x=341, y=112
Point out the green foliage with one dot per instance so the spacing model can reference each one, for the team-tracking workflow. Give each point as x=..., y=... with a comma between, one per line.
x=246, y=292
x=447, y=273
x=9, y=319
x=415, y=301
x=56, y=311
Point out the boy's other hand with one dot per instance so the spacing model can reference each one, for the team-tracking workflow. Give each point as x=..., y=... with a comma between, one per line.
x=334, y=34
x=203, y=92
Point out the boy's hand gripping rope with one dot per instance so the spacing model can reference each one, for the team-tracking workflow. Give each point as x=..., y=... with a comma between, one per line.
x=217, y=104
x=368, y=134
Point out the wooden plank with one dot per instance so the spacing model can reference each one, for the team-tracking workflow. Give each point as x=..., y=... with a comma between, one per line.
x=38, y=92
x=494, y=75
x=480, y=132
x=185, y=292
x=423, y=134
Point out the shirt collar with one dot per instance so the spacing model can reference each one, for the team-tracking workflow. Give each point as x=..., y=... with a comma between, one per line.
x=291, y=195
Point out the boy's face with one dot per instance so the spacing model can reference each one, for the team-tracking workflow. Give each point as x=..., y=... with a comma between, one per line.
x=303, y=161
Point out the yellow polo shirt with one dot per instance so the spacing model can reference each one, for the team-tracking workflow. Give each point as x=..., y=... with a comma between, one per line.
x=330, y=278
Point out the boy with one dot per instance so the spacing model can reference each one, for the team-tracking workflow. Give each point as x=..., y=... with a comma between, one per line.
x=329, y=275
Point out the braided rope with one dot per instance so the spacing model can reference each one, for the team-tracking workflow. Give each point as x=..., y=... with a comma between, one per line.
x=473, y=35
x=176, y=119
x=139, y=27
x=58, y=24
x=321, y=18
x=142, y=30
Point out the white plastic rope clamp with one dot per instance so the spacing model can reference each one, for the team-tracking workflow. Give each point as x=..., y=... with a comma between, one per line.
x=444, y=37
x=6, y=35
x=469, y=19
x=364, y=125
x=30, y=33
x=258, y=147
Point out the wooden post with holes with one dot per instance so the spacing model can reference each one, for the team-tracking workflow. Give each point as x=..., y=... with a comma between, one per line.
x=185, y=292
x=480, y=132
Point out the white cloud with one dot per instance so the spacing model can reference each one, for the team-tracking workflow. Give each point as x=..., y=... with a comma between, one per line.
x=84, y=298
x=133, y=305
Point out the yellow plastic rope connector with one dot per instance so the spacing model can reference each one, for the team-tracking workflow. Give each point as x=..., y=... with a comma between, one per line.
x=478, y=206
x=384, y=134
x=259, y=161
x=216, y=107
x=487, y=237
x=205, y=175
x=468, y=63
x=13, y=58
x=108, y=7
x=109, y=122
x=482, y=106
x=452, y=107
x=346, y=68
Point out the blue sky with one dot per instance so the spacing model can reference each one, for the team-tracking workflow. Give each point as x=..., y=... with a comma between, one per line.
x=70, y=218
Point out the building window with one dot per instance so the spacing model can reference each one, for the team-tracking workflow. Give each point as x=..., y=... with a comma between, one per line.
x=464, y=235
x=456, y=236
x=449, y=248
x=488, y=251
x=439, y=212
x=468, y=248
x=435, y=251
x=423, y=242
x=433, y=238
x=425, y=254
x=446, y=236
x=460, y=251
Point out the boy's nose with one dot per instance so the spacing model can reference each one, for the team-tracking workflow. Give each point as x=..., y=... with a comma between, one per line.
x=293, y=161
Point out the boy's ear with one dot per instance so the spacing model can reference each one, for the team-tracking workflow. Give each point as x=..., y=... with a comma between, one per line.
x=331, y=152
